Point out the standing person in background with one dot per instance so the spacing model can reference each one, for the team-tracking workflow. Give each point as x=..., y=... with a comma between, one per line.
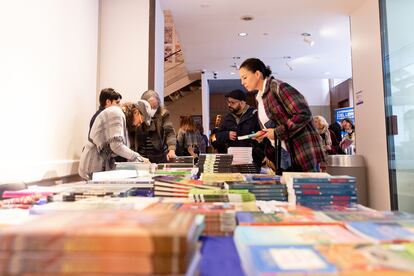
x=108, y=138
x=322, y=127
x=336, y=128
x=218, y=148
x=188, y=138
x=288, y=109
x=108, y=97
x=203, y=144
x=156, y=141
x=241, y=120
x=348, y=141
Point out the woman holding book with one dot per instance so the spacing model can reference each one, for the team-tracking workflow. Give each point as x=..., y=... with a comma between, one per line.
x=287, y=108
x=188, y=138
x=108, y=138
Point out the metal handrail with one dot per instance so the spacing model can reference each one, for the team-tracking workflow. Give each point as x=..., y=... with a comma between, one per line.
x=170, y=55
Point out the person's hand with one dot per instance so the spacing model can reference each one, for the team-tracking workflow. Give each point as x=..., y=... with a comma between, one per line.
x=270, y=133
x=260, y=135
x=171, y=154
x=145, y=160
x=232, y=135
x=142, y=159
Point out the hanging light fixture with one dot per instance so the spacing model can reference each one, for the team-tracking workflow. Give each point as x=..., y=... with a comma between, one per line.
x=307, y=37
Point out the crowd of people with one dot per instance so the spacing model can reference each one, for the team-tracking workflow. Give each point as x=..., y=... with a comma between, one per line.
x=281, y=131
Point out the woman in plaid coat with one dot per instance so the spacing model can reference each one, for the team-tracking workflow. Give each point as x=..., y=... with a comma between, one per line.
x=287, y=108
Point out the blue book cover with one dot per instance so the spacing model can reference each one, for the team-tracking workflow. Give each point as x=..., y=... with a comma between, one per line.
x=287, y=259
x=384, y=231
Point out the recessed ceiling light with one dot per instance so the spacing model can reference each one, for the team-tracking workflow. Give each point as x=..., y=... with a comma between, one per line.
x=247, y=18
x=232, y=73
x=242, y=34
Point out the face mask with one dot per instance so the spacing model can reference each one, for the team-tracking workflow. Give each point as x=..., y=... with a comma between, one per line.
x=152, y=112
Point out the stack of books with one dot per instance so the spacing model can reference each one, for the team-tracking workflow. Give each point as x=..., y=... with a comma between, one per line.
x=215, y=163
x=203, y=195
x=175, y=169
x=261, y=190
x=177, y=186
x=219, y=218
x=300, y=216
x=102, y=243
x=321, y=192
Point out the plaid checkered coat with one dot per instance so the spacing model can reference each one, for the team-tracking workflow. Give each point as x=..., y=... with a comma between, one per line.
x=294, y=124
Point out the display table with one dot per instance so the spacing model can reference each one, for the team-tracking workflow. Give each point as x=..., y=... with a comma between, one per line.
x=219, y=257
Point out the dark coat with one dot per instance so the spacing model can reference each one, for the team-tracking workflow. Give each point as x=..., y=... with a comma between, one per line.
x=294, y=124
x=336, y=128
x=162, y=134
x=248, y=124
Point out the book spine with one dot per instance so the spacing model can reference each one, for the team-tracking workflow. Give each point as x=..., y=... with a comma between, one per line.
x=306, y=180
x=323, y=186
x=325, y=192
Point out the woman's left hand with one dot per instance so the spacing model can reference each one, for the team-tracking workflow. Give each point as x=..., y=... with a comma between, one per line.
x=270, y=133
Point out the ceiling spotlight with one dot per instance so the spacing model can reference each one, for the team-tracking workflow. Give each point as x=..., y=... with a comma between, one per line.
x=247, y=18
x=242, y=34
x=307, y=37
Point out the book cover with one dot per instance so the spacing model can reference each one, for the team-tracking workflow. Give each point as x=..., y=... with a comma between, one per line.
x=291, y=218
x=383, y=231
x=290, y=259
x=295, y=234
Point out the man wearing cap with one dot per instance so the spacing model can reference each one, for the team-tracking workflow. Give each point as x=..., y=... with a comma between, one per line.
x=156, y=141
x=241, y=120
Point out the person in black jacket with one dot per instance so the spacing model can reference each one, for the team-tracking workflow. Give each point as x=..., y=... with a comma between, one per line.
x=241, y=120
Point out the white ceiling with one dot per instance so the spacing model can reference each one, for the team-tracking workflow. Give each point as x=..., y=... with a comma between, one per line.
x=208, y=32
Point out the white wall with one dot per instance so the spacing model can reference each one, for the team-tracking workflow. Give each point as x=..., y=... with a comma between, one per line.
x=370, y=116
x=316, y=91
x=48, y=57
x=124, y=38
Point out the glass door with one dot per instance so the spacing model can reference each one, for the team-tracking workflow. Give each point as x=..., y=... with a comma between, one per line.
x=397, y=23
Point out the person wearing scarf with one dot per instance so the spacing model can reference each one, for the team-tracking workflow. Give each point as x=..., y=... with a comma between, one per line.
x=288, y=109
x=108, y=138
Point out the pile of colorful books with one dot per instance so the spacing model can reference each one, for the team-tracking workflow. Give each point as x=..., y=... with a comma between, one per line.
x=215, y=163
x=102, y=243
x=178, y=186
x=320, y=192
x=301, y=241
x=203, y=195
x=219, y=218
x=262, y=190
